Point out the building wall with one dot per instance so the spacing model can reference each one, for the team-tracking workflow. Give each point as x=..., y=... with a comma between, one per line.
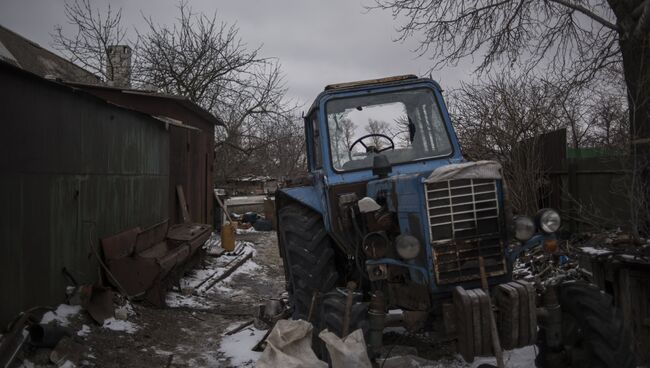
x=73, y=169
x=191, y=162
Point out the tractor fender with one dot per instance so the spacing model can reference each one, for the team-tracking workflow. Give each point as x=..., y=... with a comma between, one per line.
x=308, y=196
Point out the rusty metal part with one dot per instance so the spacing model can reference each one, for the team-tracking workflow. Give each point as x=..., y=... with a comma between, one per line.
x=140, y=261
x=47, y=335
x=496, y=345
x=100, y=304
x=349, y=298
x=376, y=245
x=229, y=271
x=464, y=218
x=182, y=203
x=449, y=319
x=464, y=323
x=261, y=345
x=377, y=272
x=13, y=341
x=312, y=305
x=236, y=258
x=551, y=318
x=517, y=318
x=67, y=349
x=409, y=296
x=414, y=320
x=507, y=301
x=240, y=327
x=376, y=319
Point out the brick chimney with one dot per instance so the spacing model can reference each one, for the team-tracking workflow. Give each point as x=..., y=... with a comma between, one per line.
x=120, y=59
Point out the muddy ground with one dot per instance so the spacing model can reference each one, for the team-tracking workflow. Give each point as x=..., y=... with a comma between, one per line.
x=189, y=332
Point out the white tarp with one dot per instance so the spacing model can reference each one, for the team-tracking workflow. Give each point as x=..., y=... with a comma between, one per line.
x=289, y=346
x=349, y=352
x=466, y=170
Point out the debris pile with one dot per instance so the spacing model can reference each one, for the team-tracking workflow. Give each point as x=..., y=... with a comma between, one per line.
x=574, y=254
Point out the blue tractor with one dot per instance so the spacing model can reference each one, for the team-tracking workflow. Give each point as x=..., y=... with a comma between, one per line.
x=392, y=227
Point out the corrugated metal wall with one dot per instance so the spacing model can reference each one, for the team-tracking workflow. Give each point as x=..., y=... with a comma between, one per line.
x=72, y=169
x=190, y=164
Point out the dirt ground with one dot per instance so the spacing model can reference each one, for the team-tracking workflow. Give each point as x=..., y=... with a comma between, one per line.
x=189, y=332
x=186, y=333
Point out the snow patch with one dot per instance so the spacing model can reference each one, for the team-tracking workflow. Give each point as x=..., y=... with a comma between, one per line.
x=120, y=325
x=175, y=300
x=238, y=346
x=250, y=230
x=517, y=358
x=595, y=251
x=27, y=364
x=61, y=315
x=85, y=330
x=67, y=364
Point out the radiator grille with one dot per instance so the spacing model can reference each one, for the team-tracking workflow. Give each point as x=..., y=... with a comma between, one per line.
x=464, y=225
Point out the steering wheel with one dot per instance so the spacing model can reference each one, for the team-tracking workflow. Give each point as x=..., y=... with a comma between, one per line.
x=374, y=150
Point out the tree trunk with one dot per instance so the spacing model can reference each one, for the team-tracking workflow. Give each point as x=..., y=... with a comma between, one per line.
x=635, y=49
x=634, y=35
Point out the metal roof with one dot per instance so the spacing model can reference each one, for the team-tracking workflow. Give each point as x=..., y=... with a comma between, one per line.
x=31, y=57
x=179, y=108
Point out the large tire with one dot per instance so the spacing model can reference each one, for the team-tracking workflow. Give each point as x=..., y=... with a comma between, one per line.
x=309, y=257
x=593, y=333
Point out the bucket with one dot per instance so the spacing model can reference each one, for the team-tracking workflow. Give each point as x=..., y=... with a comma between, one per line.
x=228, y=236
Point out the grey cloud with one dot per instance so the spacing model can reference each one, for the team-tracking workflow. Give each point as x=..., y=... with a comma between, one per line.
x=317, y=42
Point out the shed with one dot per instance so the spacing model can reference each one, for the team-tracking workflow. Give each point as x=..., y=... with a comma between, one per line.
x=79, y=162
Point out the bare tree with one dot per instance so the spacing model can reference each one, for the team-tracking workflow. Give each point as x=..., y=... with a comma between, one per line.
x=197, y=57
x=205, y=60
x=503, y=117
x=96, y=31
x=575, y=40
x=378, y=127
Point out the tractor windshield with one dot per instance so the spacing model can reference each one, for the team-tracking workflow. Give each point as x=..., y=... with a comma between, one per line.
x=404, y=126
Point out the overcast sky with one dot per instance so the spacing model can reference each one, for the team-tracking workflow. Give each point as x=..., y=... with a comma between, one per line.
x=317, y=42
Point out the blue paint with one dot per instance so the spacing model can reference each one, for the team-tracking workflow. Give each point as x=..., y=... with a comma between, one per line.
x=426, y=165
x=308, y=196
x=403, y=189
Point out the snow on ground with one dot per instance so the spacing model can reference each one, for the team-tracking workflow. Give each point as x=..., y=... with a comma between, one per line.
x=595, y=251
x=61, y=315
x=85, y=330
x=238, y=346
x=175, y=300
x=120, y=325
x=250, y=230
x=517, y=358
x=193, y=293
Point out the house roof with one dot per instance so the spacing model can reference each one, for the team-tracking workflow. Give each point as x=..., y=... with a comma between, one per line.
x=179, y=108
x=30, y=56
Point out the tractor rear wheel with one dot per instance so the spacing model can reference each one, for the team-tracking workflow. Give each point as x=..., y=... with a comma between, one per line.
x=593, y=333
x=308, y=256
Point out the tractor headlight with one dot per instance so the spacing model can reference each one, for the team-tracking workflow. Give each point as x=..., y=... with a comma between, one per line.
x=408, y=246
x=549, y=220
x=524, y=228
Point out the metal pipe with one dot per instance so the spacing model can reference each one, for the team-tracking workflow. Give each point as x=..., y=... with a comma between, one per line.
x=376, y=319
x=348, y=309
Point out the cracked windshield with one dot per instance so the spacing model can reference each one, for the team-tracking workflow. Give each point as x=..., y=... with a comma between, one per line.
x=404, y=126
